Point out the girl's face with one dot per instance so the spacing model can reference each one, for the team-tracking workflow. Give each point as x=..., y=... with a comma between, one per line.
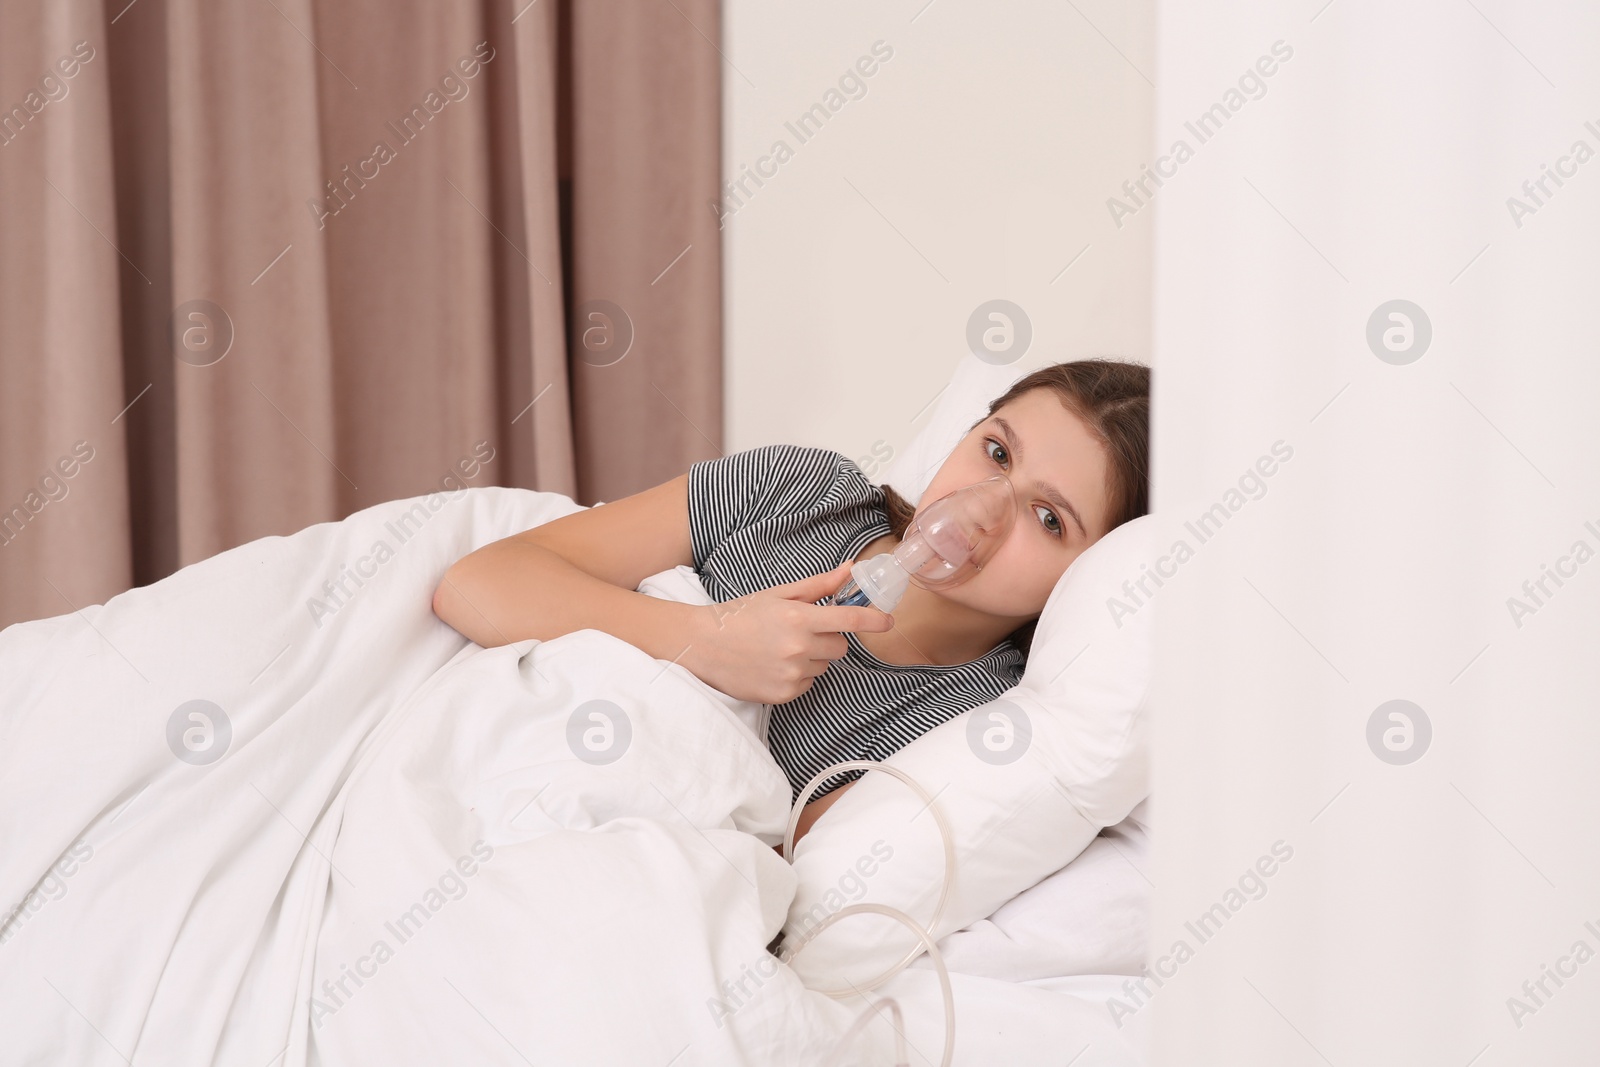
x=1058, y=469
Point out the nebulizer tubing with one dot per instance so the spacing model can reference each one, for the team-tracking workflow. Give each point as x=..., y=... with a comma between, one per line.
x=897, y=1021
x=938, y=964
x=927, y=942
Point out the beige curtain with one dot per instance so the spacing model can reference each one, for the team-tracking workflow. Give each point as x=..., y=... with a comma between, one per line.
x=267, y=262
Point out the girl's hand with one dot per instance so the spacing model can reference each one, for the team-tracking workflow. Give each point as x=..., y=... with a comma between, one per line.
x=770, y=646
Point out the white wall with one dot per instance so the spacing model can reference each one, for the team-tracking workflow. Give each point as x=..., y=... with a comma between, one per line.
x=976, y=166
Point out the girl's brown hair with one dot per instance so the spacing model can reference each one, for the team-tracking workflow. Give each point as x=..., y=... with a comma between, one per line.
x=1112, y=399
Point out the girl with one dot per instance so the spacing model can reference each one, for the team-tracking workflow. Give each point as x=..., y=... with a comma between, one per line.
x=758, y=527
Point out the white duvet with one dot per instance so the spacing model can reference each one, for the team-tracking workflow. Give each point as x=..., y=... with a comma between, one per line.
x=271, y=811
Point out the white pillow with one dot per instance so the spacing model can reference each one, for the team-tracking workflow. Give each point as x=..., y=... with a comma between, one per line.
x=1090, y=917
x=1078, y=762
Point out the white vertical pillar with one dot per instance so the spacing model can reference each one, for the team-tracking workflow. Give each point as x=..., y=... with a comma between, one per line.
x=1377, y=374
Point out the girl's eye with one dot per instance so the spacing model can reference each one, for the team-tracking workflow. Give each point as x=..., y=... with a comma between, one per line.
x=1047, y=518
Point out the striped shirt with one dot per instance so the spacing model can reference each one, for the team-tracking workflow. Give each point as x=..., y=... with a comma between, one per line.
x=777, y=514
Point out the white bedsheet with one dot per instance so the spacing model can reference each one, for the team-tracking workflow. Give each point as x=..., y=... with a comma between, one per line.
x=399, y=856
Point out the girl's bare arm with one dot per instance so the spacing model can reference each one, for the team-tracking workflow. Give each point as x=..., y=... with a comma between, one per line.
x=580, y=572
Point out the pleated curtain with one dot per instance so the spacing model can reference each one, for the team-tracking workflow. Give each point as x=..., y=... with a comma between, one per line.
x=264, y=263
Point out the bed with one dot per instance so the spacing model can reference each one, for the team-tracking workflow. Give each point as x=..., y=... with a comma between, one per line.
x=270, y=811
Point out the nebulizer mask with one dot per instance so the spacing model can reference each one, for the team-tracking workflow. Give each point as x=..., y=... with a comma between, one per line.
x=947, y=543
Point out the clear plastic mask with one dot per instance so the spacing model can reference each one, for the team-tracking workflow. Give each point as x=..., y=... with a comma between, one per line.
x=945, y=544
